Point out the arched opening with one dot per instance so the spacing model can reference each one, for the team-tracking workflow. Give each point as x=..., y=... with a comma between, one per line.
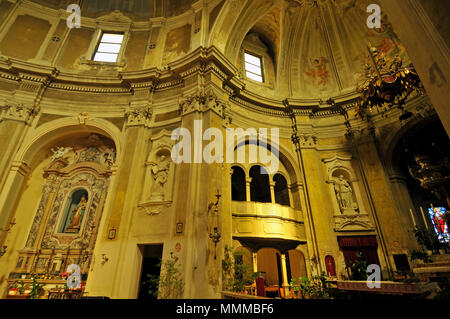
x=296, y=266
x=238, y=186
x=269, y=266
x=281, y=190
x=259, y=186
x=421, y=157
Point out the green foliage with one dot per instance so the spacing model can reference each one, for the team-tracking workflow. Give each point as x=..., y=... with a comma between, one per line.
x=169, y=284
x=420, y=255
x=19, y=285
x=358, y=268
x=316, y=287
x=36, y=288
x=236, y=275
x=426, y=239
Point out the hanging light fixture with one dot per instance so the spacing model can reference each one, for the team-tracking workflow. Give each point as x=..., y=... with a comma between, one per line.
x=387, y=84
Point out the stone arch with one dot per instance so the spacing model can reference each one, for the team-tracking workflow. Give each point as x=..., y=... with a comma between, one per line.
x=57, y=129
x=237, y=26
x=25, y=159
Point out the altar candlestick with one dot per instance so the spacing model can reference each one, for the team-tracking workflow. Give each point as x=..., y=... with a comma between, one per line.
x=412, y=217
x=424, y=219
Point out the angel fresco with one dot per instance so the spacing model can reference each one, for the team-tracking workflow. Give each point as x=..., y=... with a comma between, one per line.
x=319, y=72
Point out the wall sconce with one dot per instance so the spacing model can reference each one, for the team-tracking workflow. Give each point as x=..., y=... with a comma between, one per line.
x=3, y=251
x=215, y=237
x=104, y=259
x=216, y=204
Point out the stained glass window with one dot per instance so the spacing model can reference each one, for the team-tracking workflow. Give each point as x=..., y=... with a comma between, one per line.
x=440, y=226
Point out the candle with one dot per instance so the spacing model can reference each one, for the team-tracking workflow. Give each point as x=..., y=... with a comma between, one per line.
x=412, y=217
x=424, y=219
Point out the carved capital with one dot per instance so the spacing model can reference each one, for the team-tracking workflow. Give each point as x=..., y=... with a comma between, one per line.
x=139, y=114
x=307, y=141
x=204, y=101
x=18, y=112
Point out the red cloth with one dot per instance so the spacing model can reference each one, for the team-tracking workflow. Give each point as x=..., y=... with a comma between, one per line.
x=260, y=289
x=358, y=241
x=367, y=245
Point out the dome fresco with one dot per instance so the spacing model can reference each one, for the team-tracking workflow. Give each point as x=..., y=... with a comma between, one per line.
x=140, y=10
x=319, y=48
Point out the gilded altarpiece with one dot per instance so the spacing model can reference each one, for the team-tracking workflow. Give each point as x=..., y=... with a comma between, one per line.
x=64, y=228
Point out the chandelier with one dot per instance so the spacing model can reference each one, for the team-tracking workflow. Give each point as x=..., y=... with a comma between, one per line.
x=386, y=84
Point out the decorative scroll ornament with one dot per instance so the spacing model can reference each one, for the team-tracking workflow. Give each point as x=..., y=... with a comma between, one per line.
x=138, y=114
x=19, y=112
x=203, y=101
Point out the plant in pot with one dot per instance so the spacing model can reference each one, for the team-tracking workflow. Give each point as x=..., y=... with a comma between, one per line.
x=420, y=255
x=358, y=268
x=170, y=284
x=236, y=275
x=428, y=241
x=36, y=288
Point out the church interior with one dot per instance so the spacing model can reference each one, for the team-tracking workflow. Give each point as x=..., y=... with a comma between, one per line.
x=119, y=179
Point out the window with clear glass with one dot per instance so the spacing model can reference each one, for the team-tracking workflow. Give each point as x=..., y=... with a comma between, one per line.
x=109, y=47
x=253, y=69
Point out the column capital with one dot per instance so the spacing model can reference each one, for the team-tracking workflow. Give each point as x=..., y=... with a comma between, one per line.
x=202, y=101
x=139, y=114
x=18, y=112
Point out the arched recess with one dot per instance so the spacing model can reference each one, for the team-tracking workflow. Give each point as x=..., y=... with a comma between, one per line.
x=297, y=264
x=39, y=184
x=330, y=266
x=428, y=140
x=26, y=160
x=268, y=266
x=393, y=152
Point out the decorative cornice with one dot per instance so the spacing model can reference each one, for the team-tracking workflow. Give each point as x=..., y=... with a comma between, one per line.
x=199, y=62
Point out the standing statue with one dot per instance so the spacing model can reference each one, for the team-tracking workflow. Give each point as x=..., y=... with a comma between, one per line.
x=160, y=173
x=344, y=194
x=77, y=217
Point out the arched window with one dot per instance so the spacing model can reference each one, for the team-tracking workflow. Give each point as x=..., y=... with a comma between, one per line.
x=259, y=186
x=75, y=212
x=281, y=190
x=238, y=188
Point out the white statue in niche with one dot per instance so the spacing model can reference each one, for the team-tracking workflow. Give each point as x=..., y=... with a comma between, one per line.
x=160, y=173
x=60, y=152
x=344, y=194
